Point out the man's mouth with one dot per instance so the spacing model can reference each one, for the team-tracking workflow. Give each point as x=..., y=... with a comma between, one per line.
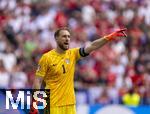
x=66, y=43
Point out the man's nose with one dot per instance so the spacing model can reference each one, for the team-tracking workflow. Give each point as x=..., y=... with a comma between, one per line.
x=67, y=38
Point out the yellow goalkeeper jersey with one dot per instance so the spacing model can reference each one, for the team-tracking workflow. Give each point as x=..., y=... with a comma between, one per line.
x=57, y=71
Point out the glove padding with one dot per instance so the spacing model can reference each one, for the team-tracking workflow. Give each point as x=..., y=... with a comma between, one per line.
x=33, y=110
x=116, y=34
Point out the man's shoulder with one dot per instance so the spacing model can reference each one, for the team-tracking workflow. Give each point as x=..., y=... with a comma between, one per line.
x=74, y=49
x=49, y=53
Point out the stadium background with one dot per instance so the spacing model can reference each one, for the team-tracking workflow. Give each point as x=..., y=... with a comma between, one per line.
x=26, y=32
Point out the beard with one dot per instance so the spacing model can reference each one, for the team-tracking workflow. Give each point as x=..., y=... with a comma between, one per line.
x=63, y=47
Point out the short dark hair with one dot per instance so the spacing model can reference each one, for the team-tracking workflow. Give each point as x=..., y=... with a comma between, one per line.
x=56, y=34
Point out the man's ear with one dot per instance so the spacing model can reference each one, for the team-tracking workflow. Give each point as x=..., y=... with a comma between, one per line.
x=56, y=38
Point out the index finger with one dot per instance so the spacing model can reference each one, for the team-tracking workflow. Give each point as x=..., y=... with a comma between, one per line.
x=121, y=30
x=124, y=33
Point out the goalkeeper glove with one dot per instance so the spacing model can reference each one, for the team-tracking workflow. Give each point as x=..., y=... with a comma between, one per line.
x=114, y=35
x=32, y=109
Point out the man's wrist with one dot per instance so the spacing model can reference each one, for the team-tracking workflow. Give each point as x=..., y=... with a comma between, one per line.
x=108, y=38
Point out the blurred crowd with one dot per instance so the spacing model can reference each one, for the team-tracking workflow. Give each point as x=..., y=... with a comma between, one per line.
x=117, y=73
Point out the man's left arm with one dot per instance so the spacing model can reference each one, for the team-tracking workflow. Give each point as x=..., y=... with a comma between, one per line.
x=102, y=41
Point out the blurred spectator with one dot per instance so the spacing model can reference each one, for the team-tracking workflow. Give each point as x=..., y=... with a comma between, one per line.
x=131, y=98
x=18, y=78
x=4, y=76
x=117, y=69
x=146, y=98
x=104, y=98
x=9, y=58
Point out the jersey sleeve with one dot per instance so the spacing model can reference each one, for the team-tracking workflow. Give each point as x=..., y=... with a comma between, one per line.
x=79, y=53
x=76, y=53
x=42, y=66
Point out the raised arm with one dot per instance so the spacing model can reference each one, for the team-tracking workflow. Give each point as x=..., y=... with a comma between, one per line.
x=102, y=41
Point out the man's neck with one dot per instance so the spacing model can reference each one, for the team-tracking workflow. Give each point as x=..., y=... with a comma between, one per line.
x=59, y=50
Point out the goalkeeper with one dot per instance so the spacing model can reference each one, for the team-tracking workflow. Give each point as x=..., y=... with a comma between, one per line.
x=56, y=68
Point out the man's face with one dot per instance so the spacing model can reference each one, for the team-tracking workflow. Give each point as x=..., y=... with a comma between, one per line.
x=63, y=40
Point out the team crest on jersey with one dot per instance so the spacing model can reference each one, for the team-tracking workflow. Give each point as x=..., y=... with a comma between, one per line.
x=67, y=61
